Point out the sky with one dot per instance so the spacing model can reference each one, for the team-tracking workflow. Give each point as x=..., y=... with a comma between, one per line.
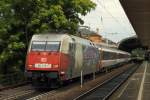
x=111, y=20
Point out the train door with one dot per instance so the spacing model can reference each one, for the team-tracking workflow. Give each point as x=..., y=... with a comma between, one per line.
x=72, y=47
x=101, y=58
x=78, y=60
x=64, y=59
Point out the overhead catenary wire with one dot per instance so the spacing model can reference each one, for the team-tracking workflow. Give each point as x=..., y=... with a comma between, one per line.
x=131, y=27
x=115, y=19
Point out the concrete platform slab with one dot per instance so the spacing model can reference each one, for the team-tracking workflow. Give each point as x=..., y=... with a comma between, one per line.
x=137, y=87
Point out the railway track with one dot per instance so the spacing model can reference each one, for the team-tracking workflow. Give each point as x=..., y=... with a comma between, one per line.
x=43, y=96
x=14, y=93
x=29, y=93
x=49, y=94
x=14, y=86
x=104, y=90
x=70, y=92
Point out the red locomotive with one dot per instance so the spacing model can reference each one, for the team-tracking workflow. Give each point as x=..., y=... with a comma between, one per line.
x=53, y=58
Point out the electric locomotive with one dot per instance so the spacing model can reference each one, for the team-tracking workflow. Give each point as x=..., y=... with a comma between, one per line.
x=55, y=58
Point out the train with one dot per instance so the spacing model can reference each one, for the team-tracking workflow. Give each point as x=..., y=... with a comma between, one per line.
x=53, y=59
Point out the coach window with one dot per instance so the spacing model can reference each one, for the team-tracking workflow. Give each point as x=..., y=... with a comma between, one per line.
x=119, y=56
x=106, y=55
x=122, y=55
x=109, y=55
x=112, y=55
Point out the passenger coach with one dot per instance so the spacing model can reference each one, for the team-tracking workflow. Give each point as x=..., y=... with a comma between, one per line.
x=111, y=57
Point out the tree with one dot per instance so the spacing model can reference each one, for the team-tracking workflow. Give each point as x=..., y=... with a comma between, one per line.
x=20, y=19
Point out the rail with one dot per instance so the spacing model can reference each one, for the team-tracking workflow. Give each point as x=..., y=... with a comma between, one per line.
x=104, y=90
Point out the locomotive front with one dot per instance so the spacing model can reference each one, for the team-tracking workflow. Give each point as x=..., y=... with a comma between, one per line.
x=43, y=56
x=43, y=60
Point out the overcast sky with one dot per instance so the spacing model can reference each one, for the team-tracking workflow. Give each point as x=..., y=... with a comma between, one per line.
x=109, y=17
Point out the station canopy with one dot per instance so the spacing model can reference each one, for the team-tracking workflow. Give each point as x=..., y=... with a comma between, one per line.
x=138, y=12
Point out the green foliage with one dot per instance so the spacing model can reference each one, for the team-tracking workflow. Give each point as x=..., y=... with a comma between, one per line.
x=139, y=53
x=20, y=19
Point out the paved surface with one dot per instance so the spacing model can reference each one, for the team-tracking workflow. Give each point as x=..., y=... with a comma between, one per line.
x=137, y=87
x=104, y=90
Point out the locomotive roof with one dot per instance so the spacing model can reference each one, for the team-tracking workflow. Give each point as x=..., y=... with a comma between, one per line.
x=81, y=40
x=59, y=37
x=48, y=37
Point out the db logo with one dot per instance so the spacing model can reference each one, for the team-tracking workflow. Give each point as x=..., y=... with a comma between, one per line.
x=43, y=59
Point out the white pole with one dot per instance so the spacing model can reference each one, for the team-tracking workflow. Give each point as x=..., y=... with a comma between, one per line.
x=81, y=79
x=94, y=70
x=93, y=75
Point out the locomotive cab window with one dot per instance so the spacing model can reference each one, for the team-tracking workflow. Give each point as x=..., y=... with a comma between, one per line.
x=45, y=46
x=52, y=46
x=38, y=46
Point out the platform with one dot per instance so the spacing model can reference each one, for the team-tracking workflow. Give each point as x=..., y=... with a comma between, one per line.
x=137, y=87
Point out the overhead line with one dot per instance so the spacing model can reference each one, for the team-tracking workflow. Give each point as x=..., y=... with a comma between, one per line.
x=111, y=15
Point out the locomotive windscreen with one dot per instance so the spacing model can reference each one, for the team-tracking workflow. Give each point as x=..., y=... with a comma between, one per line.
x=45, y=46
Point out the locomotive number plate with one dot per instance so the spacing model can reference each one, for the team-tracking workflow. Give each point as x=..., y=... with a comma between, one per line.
x=43, y=66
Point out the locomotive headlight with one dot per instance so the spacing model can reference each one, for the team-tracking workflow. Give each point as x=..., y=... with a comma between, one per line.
x=30, y=66
x=55, y=66
x=62, y=73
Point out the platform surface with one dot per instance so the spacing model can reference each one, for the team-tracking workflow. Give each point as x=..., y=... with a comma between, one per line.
x=137, y=87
